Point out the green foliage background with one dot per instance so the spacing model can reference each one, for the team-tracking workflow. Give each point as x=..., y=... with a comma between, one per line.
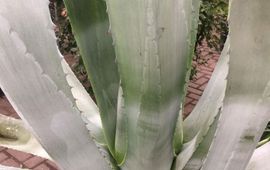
x=213, y=25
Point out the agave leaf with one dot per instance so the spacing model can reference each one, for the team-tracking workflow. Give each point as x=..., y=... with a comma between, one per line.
x=245, y=114
x=90, y=26
x=35, y=96
x=209, y=104
x=178, y=138
x=192, y=25
x=121, y=139
x=45, y=58
x=16, y=136
x=152, y=43
x=260, y=158
x=88, y=108
x=205, y=111
x=198, y=157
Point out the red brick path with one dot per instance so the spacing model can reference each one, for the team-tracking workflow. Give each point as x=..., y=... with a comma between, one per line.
x=14, y=158
x=199, y=82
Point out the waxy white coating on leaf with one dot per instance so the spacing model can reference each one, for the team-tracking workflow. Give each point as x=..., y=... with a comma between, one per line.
x=260, y=158
x=90, y=26
x=36, y=97
x=121, y=135
x=87, y=107
x=46, y=58
x=246, y=106
x=203, y=115
x=199, y=156
x=153, y=44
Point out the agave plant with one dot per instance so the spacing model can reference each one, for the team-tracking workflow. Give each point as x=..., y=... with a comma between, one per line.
x=138, y=56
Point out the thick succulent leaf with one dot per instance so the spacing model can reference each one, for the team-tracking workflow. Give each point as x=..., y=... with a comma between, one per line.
x=87, y=107
x=178, y=138
x=34, y=95
x=198, y=157
x=152, y=42
x=90, y=26
x=260, y=158
x=45, y=58
x=205, y=111
x=245, y=114
x=192, y=25
x=16, y=136
x=121, y=138
x=209, y=104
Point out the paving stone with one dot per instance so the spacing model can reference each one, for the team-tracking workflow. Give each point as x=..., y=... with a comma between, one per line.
x=204, y=72
x=4, y=111
x=216, y=58
x=206, y=68
x=3, y=156
x=207, y=76
x=194, y=96
x=11, y=162
x=195, y=91
x=52, y=165
x=33, y=162
x=20, y=156
x=15, y=115
x=194, y=102
x=191, y=84
x=201, y=81
x=212, y=62
x=203, y=86
x=188, y=100
x=198, y=75
x=212, y=65
x=189, y=108
x=5, y=107
x=2, y=148
x=42, y=167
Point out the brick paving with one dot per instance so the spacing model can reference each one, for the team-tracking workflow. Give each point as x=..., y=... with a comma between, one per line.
x=14, y=158
x=200, y=80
